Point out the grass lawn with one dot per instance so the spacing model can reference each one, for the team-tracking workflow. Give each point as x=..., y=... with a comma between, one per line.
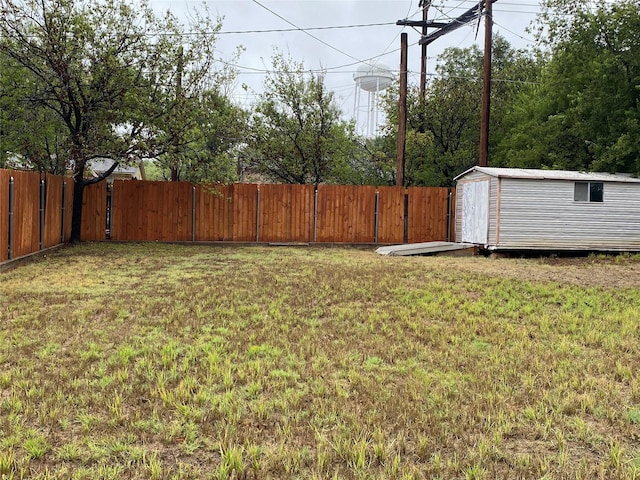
x=171, y=362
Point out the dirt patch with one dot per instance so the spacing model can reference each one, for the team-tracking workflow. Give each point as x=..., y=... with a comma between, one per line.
x=607, y=272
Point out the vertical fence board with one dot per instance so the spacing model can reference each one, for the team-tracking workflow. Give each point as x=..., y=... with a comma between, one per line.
x=391, y=214
x=26, y=218
x=5, y=175
x=94, y=212
x=245, y=210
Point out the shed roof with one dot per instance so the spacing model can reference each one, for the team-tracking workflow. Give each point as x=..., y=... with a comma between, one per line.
x=536, y=174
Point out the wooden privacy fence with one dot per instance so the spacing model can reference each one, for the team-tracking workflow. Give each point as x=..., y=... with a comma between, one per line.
x=35, y=213
x=177, y=211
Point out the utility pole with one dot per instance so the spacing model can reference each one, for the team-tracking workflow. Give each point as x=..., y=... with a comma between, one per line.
x=425, y=4
x=486, y=86
x=444, y=28
x=402, y=111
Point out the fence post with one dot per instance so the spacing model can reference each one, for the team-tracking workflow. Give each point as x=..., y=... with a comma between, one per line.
x=193, y=213
x=449, y=198
x=42, y=205
x=258, y=217
x=315, y=215
x=376, y=218
x=11, y=208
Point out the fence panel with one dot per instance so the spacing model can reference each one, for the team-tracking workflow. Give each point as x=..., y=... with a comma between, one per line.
x=428, y=214
x=245, y=212
x=94, y=212
x=286, y=213
x=214, y=213
x=26, y=215
x=5, y=175
x=164, y=211
x=391, y=214
x=151, y=211
x=346, y=214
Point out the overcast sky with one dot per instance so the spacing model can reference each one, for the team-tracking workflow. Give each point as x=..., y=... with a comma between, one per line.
x=340, y=50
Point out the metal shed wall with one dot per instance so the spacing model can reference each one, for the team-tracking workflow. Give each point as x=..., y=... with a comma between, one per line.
x=542, y=214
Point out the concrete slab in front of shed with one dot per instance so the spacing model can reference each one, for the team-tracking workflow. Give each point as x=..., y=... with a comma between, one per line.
x=428, y=248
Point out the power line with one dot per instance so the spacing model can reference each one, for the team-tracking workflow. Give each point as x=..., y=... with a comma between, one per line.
x=305, y=32
x=285, y=30
x=514, y=33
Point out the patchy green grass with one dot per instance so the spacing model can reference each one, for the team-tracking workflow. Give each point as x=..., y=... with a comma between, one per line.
x=170, y=362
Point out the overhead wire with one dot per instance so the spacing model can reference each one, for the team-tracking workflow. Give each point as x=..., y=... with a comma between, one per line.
x=305, y=31
x=340, y=69
x=514, y=33
x=400, y=31
x=297, y=29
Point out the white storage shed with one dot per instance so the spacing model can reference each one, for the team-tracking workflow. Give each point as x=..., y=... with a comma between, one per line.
x=527, y=209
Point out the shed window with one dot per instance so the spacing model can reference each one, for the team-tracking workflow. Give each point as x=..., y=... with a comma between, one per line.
x=588, y=192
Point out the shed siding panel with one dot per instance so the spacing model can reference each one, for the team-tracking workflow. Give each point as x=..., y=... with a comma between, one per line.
x=543, y=214
x=493, y=210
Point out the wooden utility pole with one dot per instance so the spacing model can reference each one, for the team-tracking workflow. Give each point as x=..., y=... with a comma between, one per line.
x=425, y=4
x=486, y=85
x=402, y=111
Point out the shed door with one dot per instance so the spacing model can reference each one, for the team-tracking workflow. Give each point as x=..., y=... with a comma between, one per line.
x=475, y=212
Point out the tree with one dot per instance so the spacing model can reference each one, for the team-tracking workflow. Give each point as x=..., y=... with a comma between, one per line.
x=206, y=152
x=29, y=137
x=585, y=112
x=106, y=71
x=298, y=136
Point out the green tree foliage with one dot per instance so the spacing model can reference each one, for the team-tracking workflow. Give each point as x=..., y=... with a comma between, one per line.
x=207, y=150
x=104, y=76
x=29, y=137
x=584, y=114
x=297, y=133
x=443, y=131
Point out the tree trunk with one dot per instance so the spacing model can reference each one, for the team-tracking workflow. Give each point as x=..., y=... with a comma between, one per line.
x=76, y=215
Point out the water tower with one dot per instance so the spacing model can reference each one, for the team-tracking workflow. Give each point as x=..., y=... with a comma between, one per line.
x=371, y=78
